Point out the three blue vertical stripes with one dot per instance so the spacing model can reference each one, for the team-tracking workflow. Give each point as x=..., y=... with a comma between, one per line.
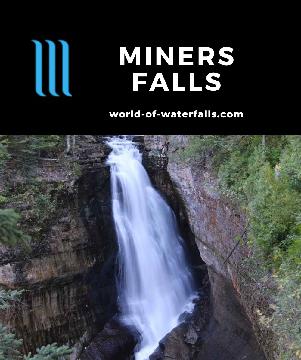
x=52, y=68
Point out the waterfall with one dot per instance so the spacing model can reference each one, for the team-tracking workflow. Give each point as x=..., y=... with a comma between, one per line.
x=155, y=285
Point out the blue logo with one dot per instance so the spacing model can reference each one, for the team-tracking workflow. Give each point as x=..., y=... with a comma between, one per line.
x=52, y=68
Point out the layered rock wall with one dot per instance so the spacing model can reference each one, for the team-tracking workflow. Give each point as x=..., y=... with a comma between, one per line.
x=218, y=227
x=67, y=272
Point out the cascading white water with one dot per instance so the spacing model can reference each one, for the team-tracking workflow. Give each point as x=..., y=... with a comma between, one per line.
x=154, y=282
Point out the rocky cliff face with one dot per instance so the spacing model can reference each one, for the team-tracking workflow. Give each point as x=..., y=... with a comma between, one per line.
x=218, y=227
x=68, y=271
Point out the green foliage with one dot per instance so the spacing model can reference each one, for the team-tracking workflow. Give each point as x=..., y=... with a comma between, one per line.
x=33, y=144
x=3, y=199
x=263, y=175
x=272, y=211
x=287, y=315
x=25, y=150
x=7, y=297
x=44, y=142
x=45, y=205
x=10, y=234
x=291, y=162
x=10, y=349
x=286, y=320
x=199, y=146
x=9, y=345
x=76, y=168
x=245, y=166
x=50, y=352
x=238, y=168
x=41, y=201
x=294, y=249
x=4, y=155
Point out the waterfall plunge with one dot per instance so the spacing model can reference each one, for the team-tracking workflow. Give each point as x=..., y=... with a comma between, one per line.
x=154, y=283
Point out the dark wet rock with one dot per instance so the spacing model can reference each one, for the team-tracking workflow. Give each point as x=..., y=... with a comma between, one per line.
x=217, y=329
x=229, y=334
x=191, y=336
x=173, y=346
x=182, y=343
x=115, y=342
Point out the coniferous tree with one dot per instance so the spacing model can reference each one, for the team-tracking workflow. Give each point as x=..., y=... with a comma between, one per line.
x=9, y=345
x=50, y=352
x=10, y=234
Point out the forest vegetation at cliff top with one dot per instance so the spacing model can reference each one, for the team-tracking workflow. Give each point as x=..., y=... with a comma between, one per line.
x=262, y=174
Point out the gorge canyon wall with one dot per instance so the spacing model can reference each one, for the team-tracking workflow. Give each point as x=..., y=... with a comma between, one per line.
x=219, y=229
x=68, y=275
